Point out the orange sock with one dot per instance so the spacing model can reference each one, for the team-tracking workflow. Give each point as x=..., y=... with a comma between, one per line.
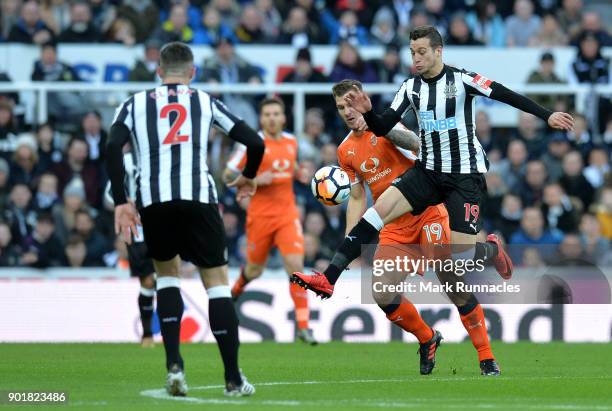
x=300, y=300
x=475, y=325
x=408, y=319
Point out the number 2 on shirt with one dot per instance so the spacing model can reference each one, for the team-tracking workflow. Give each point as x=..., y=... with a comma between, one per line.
x=172, y=137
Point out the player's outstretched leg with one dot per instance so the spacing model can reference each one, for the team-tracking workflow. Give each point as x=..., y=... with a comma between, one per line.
x=302, y=314
x=363, y=233
x=473, y=319
x=170, y=311
x=404, y=314
x=145, y=307
x=224, y=326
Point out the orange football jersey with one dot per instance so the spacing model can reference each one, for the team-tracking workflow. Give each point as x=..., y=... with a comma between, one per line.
x=376, y=161
x=280, y=157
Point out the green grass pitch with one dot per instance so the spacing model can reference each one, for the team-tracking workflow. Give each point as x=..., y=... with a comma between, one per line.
x=334, y=376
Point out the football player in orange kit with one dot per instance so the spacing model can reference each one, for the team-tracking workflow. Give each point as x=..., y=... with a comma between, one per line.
x=272, y=214
x=377, y=162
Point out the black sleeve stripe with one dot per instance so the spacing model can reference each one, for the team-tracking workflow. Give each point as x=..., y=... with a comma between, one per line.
x=222, y=108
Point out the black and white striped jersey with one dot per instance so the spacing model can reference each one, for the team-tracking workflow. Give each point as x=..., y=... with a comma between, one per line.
x=169, y=127
x=444, y=107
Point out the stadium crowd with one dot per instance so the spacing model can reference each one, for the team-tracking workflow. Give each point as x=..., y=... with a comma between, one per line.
x=543, y=187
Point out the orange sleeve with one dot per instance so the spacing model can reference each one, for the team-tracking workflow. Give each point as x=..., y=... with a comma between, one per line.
x=237, y=159
x=343, y=163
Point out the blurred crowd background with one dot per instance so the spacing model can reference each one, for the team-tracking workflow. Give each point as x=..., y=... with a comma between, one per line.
x=543, y=187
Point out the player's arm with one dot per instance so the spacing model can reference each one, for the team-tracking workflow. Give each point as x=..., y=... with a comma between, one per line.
x=239, y=131
x=404, y=138
x=119, y=136
x=357, y=205
x=479, y=85
x=379, y=124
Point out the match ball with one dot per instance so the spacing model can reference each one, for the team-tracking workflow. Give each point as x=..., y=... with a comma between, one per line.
x=331, y=185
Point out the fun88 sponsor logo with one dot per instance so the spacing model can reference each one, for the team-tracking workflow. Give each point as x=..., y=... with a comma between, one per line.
x=429, y=123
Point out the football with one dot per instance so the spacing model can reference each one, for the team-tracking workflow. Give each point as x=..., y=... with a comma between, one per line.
x=331, y=185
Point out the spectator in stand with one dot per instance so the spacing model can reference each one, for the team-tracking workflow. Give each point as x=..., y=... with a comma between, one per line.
x=603, y=211
x=596, y=246
x=121, y=31
x=47, y=194
x=64, y=214
x=550, y=34
x=581, y=136
x=8, y=136
x=272, y=19
x=418, y=17
x=176, y=27
x=494, y=143
x=81, y=28
x=459, y=33
x=146, y=69
x=9, y=15
x=514, y=166
x=573, y=180
x=558, y=147
x=55, y=14
x=529, y=130
x=383, y=29
x=94, y=241
x=5, y=174
x=590, y=66
x=298, y=31
x=348, y=29
x=570, y=17
x=76, y=165
x=25, y=167
x=598, y=170
x=533, y=231
x=312, y=250
x=486, y=24
x=349, y=64
x=509, y=219
x=213, y=29
x=304, y=72
x=390, y=69
x=250, y=28
x=9, y=252
x=229, y=68
x=531, y=188
x=364, y=10
x=143, y=14
x=591, y=23
x=103, y=13
x=42, y=249
x=545, y=74
x=558, y=209
x=314, y=135
x=229, y=11
x=48, y=68
x=437, y=15
x=19, y=214
x=75, y=252
x=95, y=136
x=50, y=146
x=523, y=25
x=30, y=28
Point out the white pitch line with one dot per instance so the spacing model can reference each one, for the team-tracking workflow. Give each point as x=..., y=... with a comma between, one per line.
x=161, y=394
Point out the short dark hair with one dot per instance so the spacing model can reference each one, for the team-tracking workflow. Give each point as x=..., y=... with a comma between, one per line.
x=341, y=88
x=430, y=32
x=270, y=101
x=175, y=57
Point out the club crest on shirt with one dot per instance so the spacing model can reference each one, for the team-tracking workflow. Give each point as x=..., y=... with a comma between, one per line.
x=373, y=140
x=450, y=91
